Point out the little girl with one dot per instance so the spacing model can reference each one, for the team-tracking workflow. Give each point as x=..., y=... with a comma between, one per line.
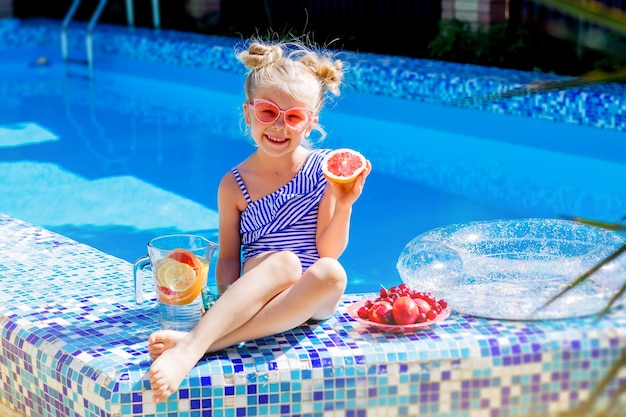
x=277, y=210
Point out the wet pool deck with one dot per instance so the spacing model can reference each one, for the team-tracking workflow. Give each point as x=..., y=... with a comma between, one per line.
x=74, y=344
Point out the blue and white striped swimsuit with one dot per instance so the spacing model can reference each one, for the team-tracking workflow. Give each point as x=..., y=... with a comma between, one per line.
x=287, y=218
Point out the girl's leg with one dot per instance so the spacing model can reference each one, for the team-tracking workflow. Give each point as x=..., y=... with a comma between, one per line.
x=272, y=274
x=162, y=340
x=325, y=277
x=314, y=295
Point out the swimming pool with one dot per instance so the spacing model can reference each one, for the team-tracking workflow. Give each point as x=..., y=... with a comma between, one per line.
x=140, y=151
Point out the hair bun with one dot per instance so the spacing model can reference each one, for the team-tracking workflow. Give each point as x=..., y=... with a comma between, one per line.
x=329, y=71
x=260, y=55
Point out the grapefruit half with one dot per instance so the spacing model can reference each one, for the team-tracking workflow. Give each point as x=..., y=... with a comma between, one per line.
x=343, y=165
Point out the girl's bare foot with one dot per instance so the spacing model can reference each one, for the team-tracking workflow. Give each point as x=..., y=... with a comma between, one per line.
x=168, y=371
x=163, y=340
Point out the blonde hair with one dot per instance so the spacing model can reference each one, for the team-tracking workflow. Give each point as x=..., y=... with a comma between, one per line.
x=300, y=71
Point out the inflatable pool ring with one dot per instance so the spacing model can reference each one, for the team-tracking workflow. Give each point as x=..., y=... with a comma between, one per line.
x=508, y=269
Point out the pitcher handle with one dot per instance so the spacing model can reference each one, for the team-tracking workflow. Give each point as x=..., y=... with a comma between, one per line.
x=138, y=267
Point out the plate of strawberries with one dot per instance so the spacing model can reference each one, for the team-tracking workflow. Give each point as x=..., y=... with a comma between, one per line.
x=400, y=309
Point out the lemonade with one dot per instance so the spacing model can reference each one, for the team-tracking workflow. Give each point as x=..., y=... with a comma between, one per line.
x=180, y=269
x=180, y=277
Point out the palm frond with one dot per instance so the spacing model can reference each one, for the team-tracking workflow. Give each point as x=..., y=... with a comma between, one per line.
x=612, y=301
x=586, y=275
x=608, y=18
x=590, y=11
x=614, y=403
x=588, y=408
x=542, y=86
x=618, y=226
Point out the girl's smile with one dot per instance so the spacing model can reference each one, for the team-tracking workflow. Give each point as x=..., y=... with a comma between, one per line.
x=276, y=139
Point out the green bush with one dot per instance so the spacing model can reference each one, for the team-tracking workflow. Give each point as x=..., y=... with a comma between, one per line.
x=523, y=48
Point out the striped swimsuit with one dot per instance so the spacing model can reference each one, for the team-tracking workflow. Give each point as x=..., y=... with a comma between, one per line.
x=287, y=218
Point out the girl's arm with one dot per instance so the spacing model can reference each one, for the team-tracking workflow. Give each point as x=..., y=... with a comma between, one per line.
x=228, y=267
x=335, y=211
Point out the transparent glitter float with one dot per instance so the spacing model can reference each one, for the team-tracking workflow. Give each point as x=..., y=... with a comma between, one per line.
x=508, y=269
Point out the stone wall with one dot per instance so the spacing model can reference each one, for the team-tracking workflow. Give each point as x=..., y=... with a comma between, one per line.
x=477, y=12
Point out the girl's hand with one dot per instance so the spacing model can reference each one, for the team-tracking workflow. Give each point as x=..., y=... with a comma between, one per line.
x=347, y=193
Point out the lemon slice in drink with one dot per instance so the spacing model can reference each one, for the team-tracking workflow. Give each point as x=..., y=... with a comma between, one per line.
x=203, y=271
x=174, y=275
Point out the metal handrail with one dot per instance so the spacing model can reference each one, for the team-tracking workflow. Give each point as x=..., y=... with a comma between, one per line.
x=130, y=13
x=64, y=25
x=156, y=16
x=130, y=17
x=89, y=38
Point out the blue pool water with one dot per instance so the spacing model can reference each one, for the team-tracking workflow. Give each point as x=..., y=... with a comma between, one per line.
x=140, y=152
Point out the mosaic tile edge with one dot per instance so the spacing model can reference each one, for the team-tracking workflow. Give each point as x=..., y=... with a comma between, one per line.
x=337, y=367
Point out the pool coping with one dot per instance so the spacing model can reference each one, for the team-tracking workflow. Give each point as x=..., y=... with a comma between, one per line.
x=83, y=352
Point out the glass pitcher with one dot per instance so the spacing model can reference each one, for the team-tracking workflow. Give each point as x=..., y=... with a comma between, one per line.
x=180, y=267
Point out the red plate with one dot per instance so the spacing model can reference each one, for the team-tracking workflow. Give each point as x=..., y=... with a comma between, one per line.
x=395, y=328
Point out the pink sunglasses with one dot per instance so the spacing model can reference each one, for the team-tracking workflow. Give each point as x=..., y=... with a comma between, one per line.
x=267, y=112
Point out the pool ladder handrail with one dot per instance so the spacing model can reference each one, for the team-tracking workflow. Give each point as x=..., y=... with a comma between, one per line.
x=88, y=37
x=92, y=23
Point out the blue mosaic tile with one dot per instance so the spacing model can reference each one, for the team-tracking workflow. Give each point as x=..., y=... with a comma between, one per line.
x=75, y=344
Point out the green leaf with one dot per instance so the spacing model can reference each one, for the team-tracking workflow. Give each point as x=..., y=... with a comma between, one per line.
x=612, y=301
x=587, y=409
x=535, y=87
x=586, y=275
x=590, y=11
x=605, y=225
